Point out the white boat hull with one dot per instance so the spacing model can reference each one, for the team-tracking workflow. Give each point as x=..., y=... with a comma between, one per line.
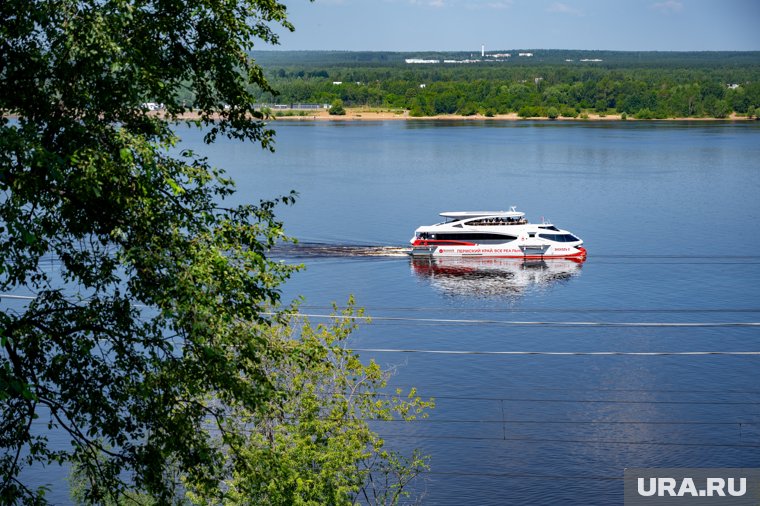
x=497, y=251
x=495, y=234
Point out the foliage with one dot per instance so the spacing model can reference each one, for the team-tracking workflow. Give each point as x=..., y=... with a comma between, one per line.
x=314, y=445
x=568, y=112
x=151, y=327
x=336, y=109
x=668, y=85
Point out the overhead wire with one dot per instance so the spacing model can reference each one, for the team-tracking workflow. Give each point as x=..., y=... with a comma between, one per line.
x=559, y=353
x=571, y=441
x=543, y=309
x=590, y=401
x=490, y=474
x=462, y=321
x=424, y=421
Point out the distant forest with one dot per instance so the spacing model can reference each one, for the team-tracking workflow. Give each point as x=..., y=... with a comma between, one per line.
x=551, y=83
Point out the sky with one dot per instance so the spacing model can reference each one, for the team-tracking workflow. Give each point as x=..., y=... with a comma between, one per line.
x=462, y=25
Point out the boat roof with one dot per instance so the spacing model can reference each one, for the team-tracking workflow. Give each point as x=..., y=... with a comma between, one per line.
x=460, y=215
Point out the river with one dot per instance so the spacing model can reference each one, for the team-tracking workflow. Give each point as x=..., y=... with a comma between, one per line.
x=669, y=214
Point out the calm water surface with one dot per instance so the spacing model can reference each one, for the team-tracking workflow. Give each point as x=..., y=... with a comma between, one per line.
x=669, y=213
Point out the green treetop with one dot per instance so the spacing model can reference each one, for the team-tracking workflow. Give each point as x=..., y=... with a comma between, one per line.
x=156, y=322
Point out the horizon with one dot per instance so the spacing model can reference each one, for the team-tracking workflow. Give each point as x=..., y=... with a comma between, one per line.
x=280, y=49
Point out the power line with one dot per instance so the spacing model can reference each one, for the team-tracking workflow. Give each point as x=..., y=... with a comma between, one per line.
x=589, y=401
x=425, y=421
x=545, y=309
x=460, y=321
x=626, y=390
x=523, y=475
x=560, y=353
x=572, y=441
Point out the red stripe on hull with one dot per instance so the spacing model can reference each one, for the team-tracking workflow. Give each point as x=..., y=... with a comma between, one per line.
x=580, y=256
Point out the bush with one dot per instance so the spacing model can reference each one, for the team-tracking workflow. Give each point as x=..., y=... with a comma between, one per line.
x=527, y=111
x=721, y=109
x=416, y=111
x=552, y=113
x=569, y=112
x=336, y=109
x=468, y=109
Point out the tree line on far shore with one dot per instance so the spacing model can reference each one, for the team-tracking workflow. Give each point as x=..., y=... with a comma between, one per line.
x=665, y=90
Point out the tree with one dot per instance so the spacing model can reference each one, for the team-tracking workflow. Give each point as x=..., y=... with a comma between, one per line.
x=336, y=109
x=316, y=446
x=313, y=445
x=158, y=324
x=720, y=109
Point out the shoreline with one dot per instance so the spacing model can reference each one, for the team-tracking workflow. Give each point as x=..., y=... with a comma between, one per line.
x=375, y=115
x=359, y=114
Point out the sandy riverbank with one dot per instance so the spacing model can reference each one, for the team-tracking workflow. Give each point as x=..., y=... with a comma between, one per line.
x=359, y=114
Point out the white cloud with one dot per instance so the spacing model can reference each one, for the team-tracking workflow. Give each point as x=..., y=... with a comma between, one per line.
x=467, y=4
x=494, y=4
x=429, y=3
x=498, y=5
x=562, y=8
x=668, y=6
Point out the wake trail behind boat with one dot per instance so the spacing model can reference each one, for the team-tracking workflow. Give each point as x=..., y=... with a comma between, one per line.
x=320, y=250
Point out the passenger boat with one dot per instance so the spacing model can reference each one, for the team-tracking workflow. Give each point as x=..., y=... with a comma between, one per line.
x=505, y=234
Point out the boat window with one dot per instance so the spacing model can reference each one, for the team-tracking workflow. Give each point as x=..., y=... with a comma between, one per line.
x=497, y=220
x=549, y=227
x=559, y=237
x=474, y=236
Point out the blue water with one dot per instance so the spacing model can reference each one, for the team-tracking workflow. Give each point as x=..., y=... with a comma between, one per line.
x=669, y=213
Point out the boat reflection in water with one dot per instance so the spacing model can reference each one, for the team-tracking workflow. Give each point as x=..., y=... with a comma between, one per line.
x=493, y=277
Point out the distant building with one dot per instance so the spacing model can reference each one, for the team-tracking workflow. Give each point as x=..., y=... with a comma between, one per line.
x=420, y=60
x=336, y=83
x=525, y=54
